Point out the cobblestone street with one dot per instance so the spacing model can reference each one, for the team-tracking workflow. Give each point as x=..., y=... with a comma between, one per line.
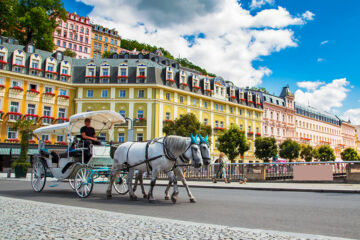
x=23, y=219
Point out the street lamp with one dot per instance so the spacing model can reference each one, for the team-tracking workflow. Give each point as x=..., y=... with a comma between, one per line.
x=131, y=136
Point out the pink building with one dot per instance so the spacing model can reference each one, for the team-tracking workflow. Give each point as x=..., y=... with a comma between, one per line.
x=74, y=34
x=279, y=115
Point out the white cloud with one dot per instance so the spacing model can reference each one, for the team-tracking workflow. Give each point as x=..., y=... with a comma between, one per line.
x=259, y=3
x=234, y=38
x=324, y=96
x=320, y=59
x=309, y=85
x=308, y=15
x=324, y=42
x=353, y=115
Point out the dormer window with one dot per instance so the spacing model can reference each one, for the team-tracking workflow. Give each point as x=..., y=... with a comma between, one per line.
x=169, y=76
x=183, y=80
x=50, y=67
x=250, y=99
x=241, y=96
x=3, y=57
x=30, y=48
x=195, y=83
x=91, y=72
x=141, y=73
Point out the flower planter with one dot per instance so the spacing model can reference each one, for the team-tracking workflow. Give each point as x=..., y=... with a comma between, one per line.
x=20, y=171
x=63, y=96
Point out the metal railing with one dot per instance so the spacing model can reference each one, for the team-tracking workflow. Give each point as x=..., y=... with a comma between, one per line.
x=265, y=171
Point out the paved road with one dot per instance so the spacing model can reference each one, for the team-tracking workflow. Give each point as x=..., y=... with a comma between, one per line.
x=330, y=214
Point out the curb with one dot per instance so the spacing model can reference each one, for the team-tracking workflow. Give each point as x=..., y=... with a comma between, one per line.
x=269, y=189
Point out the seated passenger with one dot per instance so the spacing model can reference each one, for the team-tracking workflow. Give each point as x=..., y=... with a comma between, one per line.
x=88, y=133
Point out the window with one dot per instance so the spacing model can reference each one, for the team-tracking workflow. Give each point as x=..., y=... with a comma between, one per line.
x=122, y=94
x=48, y=89
x=58, y=43
x=122, y=113
x=142, y=71
x=140, y=114
x=240, y=111
x=47, y=111
x=50, y=67
x=63, y=92
x=249, y=113
x=75, y=47
x=80, y=48
x=14, y=107
x=168, y=96
x=100, y=37
x=32, y=86
x=85, y=50
x=60, y=138
x=167, y=116
x=194, y=102
x=19, y=60
x=139, y=137
x=257, y=115
x=64, y=44
x=12, y=133
x=231, y=110
x=181, y=99
x=81, y=38
x=216, y=107
x=123, y=72
x=121, y=137
x=105, y=72
x=90, y=93
x=62, y=113
x=249, y=128
x=112, y=41
x=45, y=138
x=205, y=121
x=221, y=108
x=141, y=94
x=115, y=42
x=104, y=93
x=205, y=104
x=31, y=109
x=241, y=127
x=106, y=39
x=216, y=123
x=105, y=48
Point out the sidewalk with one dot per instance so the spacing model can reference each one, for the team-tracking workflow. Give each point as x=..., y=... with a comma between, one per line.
x=263, y=186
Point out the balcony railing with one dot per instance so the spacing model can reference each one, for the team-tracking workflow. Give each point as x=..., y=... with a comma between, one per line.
x=14, y=116
x=47, y=120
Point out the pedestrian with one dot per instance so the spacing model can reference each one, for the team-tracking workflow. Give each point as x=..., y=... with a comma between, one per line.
x=221, y=173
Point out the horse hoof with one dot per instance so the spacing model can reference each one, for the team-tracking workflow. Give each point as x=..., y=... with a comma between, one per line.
x=133, y=198
x=151, y=200
x=108, y=197
x=192, y=200
x=145, y=196
x=173, y=199
x=167, y=198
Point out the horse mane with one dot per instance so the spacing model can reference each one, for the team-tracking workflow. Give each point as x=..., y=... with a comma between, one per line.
x=177, y=144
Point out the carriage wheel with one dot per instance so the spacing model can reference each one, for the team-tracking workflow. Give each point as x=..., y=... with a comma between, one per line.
x=38, y=176
x=83, y=182
x=72, y=184
x=120, y=184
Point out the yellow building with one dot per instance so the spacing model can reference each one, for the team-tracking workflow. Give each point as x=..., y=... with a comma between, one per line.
x=104, y=40
x=34, y=85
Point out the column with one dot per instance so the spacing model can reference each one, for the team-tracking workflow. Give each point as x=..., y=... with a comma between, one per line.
x=149, y=121
x=149, y=93
x=161, y=119
x=112, y=93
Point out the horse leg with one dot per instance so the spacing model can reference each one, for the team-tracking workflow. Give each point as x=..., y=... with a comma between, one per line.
x=174, y=181
x=129, y=182
x=141, y=181
x=179, y=173
x=114, y=173
x=136, y=182
x=167, y=197
x=152, y=184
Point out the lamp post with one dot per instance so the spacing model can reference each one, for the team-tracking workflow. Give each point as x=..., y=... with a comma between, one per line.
x=131, y=133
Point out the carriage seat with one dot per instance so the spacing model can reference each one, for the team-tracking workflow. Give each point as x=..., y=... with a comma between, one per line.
x=56, y=156
x=44, y=153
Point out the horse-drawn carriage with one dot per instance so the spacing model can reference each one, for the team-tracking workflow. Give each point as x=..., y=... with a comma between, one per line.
x=79, y=164
x=166, y=154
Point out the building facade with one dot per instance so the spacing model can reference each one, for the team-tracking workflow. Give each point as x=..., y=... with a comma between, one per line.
x=104, y=40
x=279, y=115
x=74, y=34
x=150, y=88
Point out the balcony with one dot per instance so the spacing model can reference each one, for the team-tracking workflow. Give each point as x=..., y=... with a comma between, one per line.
x=48, y=97
x=14, y=116
x=31, y=117
x=63, y=100
x=62, y=120
x=196, y=88
x=12, y=140
x=46, y=120
x=32, y=95
x=141, y=122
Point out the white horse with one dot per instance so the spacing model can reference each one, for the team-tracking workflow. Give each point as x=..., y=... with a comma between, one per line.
x=181, y=163
x=161, y=154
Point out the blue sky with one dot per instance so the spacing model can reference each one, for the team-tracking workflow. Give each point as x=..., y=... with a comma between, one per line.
x=327, y=43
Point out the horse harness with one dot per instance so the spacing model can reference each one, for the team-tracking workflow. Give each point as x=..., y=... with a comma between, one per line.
x=147, y=160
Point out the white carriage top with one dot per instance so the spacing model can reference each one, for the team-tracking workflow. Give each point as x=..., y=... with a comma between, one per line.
x=100, y=120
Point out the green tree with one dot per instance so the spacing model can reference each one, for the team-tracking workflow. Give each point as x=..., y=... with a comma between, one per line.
x=69, y=53
x=107, y=54
x=233, y=143
x=25, y=128
x=8, y=17
x=325, y=153
x=36, y=20
x=289, y=149
x=185, y=125
x=307, y=152
x=265, y=148
x=349, y=154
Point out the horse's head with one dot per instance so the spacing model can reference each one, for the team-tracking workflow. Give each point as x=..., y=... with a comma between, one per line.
x=193, y=152
x=205, y=149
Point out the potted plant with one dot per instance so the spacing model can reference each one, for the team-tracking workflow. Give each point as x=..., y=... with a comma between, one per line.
x=21, y=164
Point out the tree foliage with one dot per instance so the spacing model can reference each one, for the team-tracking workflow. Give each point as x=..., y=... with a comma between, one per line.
x=325, y=153
x=233, y=143
x=32, y=21
x=289, y=149
x=349, y=154
x=261, y=89
x=69, y=53
x=107, y=54
x=307, y=152
x=185, y=125
x=265, y=148
x=25, y=128
x=186, y=63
